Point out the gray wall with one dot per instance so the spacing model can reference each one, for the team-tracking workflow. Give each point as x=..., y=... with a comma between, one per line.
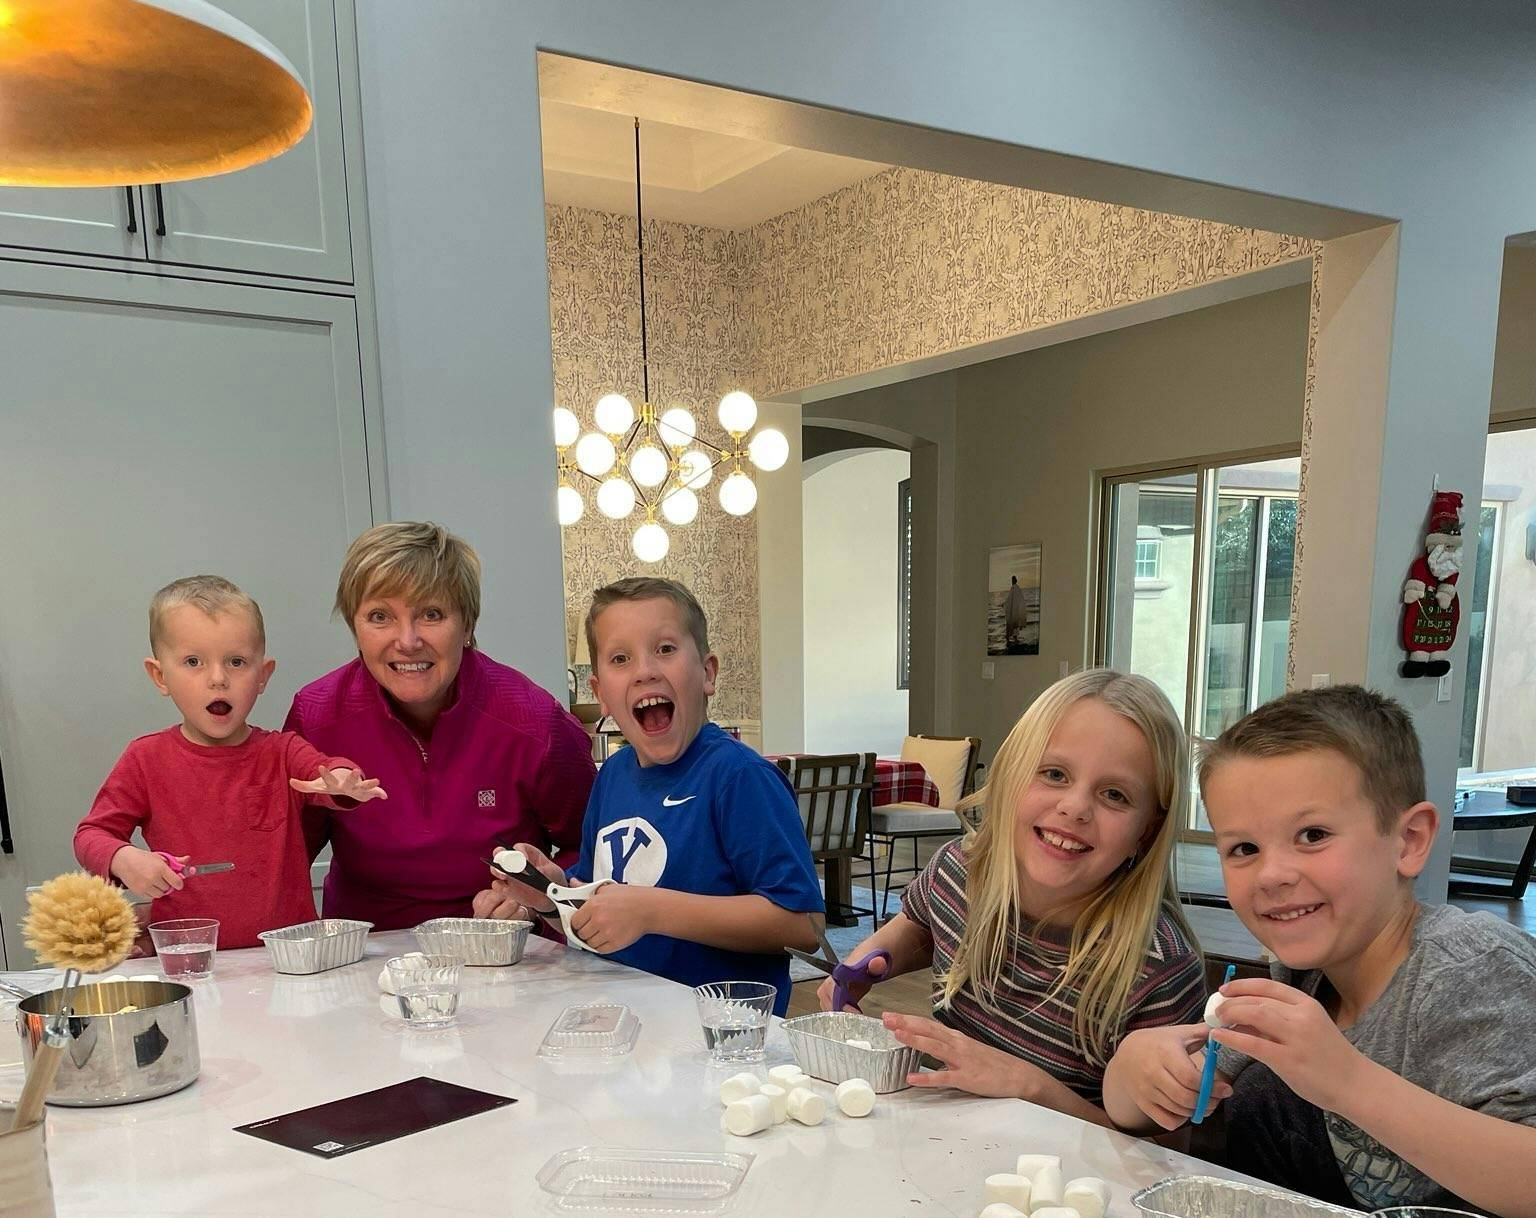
x=1036, y=430
x=1424, y=118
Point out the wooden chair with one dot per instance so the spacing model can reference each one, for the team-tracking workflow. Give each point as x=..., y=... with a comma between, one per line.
x=951, y=762
x=834, y=797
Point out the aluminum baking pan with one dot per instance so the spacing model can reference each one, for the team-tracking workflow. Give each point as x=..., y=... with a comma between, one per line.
x=313, y=947
x=1208, y=1197
x=819, y=1043
x=475, y=941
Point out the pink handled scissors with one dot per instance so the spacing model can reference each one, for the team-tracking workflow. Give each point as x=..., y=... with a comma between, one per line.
x=188, y=870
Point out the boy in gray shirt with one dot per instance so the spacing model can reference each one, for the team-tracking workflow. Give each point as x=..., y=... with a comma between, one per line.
x=1392, y=1059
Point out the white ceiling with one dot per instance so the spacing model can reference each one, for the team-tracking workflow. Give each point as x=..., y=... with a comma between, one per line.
x=690, y=176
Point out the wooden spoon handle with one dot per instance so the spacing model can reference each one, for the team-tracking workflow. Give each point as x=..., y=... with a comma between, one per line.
x=45, y=1065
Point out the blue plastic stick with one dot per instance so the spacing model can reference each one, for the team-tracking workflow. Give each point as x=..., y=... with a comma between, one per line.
x=1208, y=1075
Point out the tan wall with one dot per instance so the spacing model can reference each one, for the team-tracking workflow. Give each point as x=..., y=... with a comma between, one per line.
x=1514, y=359
x=1035, y=431
x=1509, y=726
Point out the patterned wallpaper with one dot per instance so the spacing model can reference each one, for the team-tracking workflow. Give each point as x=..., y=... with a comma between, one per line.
x=694, y=333
x=900, y=266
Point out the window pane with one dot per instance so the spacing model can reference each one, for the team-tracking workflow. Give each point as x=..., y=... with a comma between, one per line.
x=1476, y=618
x=1275, y=625
x=1151, y=574
x=1229, y=627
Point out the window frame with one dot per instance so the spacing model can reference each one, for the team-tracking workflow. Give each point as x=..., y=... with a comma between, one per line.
x=1207, y=494
x=904, y=584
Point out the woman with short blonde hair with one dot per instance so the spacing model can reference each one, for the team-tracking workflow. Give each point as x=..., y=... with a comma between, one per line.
x=471, y=751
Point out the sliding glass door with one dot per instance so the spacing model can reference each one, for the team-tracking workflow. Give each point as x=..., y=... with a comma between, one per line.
x=1196, y=593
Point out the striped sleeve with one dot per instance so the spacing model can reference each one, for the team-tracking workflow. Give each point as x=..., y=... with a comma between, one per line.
x=917, y=897
x=1172, y=989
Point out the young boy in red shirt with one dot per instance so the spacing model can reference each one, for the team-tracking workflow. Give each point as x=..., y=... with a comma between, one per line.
x=212, y=788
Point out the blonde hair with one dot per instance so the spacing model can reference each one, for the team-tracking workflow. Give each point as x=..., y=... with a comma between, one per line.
x=212, y=594
x=1369, y=730
x=1113, y=934
x=417, y=560
x=649, y=588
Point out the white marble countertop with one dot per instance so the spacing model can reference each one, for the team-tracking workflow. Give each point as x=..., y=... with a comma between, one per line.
x=271, y=1044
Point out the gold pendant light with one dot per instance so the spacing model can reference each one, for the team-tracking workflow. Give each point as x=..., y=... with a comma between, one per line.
x=129, y=92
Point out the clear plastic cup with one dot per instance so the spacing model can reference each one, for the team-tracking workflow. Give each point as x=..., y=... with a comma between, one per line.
x=426, y=989
x=734, y=1016
x=186, y=946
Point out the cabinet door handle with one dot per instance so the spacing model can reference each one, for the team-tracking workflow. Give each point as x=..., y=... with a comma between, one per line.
x=159, y=211
x=6, y=845
x=133, y=214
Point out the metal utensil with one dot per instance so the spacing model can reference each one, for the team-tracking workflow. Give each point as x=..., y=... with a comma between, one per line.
x=187, y=870
x=844, y=975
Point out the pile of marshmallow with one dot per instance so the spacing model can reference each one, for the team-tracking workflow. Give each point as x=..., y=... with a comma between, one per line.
x=1034, y=1188
x=752, y=1105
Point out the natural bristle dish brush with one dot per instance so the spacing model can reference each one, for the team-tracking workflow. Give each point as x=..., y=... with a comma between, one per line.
x=81, y=924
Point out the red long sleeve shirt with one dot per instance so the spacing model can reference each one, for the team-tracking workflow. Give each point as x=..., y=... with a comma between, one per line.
x=226, y=804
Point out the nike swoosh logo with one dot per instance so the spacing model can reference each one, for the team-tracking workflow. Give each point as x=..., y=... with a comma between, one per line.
x=668, y=802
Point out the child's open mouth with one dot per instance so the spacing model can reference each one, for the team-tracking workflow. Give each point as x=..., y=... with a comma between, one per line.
x=1061, y=845
x=219, y=708
x=653, y=714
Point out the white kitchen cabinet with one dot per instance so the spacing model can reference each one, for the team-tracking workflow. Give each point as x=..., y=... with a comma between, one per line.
x=287, y=216
x=152, y=428
x=103, y=221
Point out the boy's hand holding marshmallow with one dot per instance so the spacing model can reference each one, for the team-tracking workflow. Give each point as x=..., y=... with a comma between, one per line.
x=340, y=784
x=1294, y=1036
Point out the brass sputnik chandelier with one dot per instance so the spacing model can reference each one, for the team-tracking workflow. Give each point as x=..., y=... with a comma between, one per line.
x=657, y=462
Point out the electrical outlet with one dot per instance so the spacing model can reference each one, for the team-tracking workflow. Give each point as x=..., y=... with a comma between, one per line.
x=1320, y=680
x=1443, y=692
x=988, y=670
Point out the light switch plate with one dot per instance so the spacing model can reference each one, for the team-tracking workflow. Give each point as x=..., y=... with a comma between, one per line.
x=988, y=670
x=1319, y=680
x=1443, y=693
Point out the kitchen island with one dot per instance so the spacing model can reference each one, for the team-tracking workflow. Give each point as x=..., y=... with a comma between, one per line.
x=272, y=1044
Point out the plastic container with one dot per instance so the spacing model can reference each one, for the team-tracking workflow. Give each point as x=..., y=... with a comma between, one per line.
x=313, y=947
x=819, y=1043
x=475, y=941
x=591, y=1031
x=595, y=1179
x=1208, y=1197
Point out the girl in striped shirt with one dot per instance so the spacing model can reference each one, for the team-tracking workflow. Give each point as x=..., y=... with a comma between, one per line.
x=1054, y=929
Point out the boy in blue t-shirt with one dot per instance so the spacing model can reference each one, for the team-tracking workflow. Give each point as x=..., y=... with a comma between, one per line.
x=715, y=879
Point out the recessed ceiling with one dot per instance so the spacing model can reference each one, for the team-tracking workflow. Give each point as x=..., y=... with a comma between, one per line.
x=690, y=176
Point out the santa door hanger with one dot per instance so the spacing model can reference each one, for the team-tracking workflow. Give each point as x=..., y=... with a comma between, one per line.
x=1431, y=611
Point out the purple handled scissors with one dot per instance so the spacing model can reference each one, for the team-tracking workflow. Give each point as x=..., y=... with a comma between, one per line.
x=844, y=975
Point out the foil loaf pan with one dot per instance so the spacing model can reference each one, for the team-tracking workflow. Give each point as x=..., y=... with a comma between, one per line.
x=314, y=947
x=820, y=1045
x=476, y=941
x=1208, y=1197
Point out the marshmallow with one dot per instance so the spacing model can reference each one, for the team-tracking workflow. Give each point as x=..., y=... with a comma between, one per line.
x=1011, y=1189
x=511, y=861
x=806, y=1106
x=751, y=1115
x=1045, y=1190
x=1213, y=1010
x=999, y=1209
x=779, y=1098
x=385, y=983
x=1088, y=1195
x=1055, y=1211
x=855, y=1097
x=738, y=1087
x=785, y=1075
x=857, y=1044
x=1030, y=1165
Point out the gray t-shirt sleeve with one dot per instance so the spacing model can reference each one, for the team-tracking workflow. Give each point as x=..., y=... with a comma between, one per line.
x=1471, y=1035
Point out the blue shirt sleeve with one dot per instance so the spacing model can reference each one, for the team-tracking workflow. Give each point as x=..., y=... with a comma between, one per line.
x=758, y=824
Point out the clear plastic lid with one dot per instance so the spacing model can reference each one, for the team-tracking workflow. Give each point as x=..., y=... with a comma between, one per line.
x=597, y=1179
x=600, y=1030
